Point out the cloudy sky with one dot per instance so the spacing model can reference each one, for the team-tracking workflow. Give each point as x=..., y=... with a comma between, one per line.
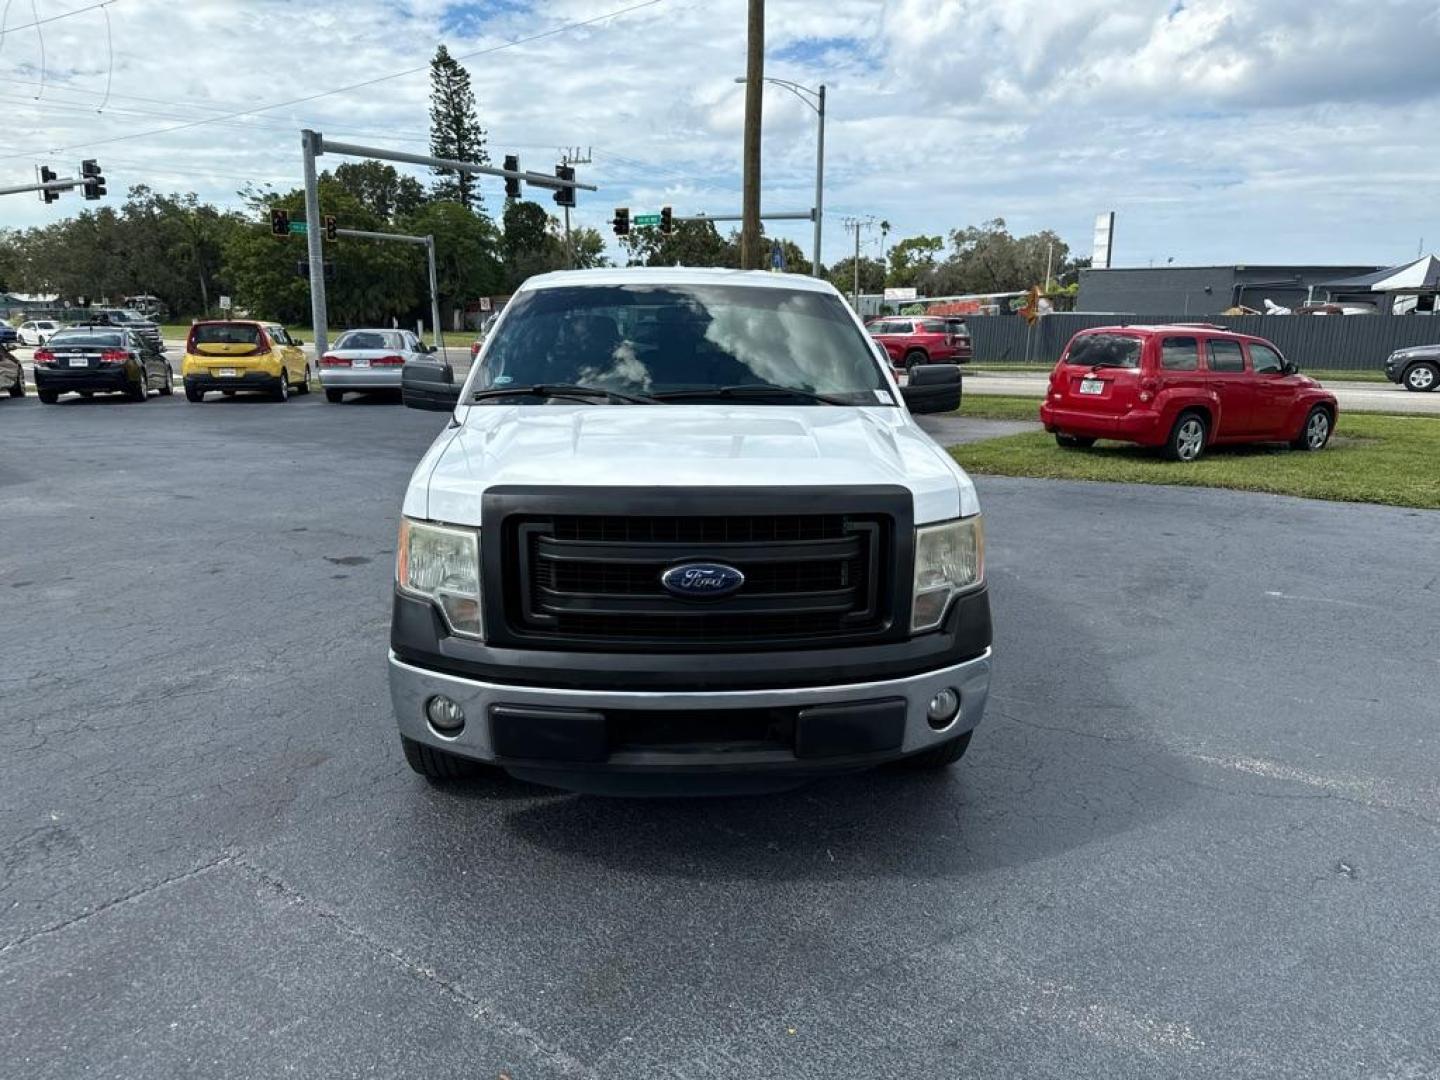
x=1220, y=131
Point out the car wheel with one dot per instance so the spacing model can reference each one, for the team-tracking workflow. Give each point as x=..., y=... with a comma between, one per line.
x=938, y=757
x=1187, y=437
x=282, y=388
x=1316, y=431
x=334, y=397
x=194, y=394
x=1073, y=442
x=18, y=389
x=141, y=390
x=304, y=386
x=167, y=389
x=436, y=765
x=914, y=358
x=1422, y=377
x=48, y=397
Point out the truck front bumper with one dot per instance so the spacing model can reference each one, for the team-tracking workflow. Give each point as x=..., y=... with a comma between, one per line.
x=557, y=735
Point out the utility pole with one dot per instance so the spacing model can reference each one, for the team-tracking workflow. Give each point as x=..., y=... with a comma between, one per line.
x=313, y=238
x=754, y=98
x=857, y=267
x=1049, y=255
x=570, y=155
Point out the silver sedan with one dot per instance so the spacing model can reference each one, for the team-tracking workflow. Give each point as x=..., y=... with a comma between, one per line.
x=368, y=360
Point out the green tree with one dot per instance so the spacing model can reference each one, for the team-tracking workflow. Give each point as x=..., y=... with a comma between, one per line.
x=987, y=258
x=467, y=252
x=379, y=188
x=455, y=131
x=912, y=260
x=588, y=247
x=692, y=243
x=529, y=244
x=872, y=275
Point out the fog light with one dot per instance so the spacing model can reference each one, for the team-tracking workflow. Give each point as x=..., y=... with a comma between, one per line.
x=944, y=707
x=445, y=715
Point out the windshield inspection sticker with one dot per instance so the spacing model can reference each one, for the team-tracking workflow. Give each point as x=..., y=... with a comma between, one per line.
x=884, y=397
x=502, y=380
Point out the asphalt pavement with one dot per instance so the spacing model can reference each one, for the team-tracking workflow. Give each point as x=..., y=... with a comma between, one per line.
x=1196, y=834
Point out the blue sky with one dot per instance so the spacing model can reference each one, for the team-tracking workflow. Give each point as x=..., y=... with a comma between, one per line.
x=1219, y=131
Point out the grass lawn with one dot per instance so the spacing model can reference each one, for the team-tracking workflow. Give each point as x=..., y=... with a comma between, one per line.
x=1372, y=458
x=1000, y=407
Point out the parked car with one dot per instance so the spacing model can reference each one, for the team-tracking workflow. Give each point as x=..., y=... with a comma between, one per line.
x=130, y=320
x=1416, y=368
x=230, y=355
x=960, y=331
x=702, y=570
x=914, y=340
x=8, y=334
x=368, y=360
x=12, y=375
x=100, y=359
x=37, y=331
x=1182, y=388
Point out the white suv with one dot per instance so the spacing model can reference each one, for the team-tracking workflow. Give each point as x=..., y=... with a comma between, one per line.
x=683, y=534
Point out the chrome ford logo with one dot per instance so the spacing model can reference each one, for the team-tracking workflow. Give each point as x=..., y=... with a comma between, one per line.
x=702, y=579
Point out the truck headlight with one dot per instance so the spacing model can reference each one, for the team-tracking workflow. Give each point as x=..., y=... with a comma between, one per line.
x=442, y=564
x=949, y=560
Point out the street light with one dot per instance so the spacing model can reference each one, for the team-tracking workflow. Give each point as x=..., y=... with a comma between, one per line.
x=815, y=99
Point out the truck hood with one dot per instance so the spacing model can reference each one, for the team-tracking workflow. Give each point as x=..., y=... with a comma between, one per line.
x=685, y=446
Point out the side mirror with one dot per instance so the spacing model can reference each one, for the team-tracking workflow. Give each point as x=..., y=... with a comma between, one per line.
x=424, y=386
x=1291, y=368
x=297, y=341
x=933, y=388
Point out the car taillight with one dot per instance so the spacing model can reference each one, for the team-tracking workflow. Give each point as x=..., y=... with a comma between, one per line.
x=387, y=361
x=331, y=360
x=114, y=356
x=44, y=356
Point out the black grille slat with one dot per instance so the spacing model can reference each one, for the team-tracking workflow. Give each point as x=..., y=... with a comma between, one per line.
x=595, y=579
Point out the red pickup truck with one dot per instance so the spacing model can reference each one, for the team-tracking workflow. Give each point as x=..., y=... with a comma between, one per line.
x=912, y=340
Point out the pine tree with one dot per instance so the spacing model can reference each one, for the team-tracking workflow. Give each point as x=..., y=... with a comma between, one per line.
x=455, y=130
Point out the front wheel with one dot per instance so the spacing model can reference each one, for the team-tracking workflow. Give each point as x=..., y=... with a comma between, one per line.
x=1422, y=377
x=1187, y=438
x=436, y=765
x=1073, y=442
x=1316, y=432
x=939, y=757
x=282, y=388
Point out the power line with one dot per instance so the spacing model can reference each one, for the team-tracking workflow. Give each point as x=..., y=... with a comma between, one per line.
x=343, y=89
x=55, y=18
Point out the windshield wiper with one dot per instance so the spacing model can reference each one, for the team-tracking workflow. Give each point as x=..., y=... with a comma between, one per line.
x=563, y=390
x=750, y=390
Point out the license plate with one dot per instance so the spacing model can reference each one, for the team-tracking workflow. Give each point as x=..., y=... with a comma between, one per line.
x=227, y=373
x=79, y=361
x=361, y=362
x=1092, y=386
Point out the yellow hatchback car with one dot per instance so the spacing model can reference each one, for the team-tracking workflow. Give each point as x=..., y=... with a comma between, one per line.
x=238, y=354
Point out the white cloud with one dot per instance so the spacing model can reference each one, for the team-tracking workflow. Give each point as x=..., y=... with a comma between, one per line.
x=1220, y=130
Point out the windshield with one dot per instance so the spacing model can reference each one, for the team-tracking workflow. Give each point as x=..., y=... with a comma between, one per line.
x=89, y=338
x=1112, y=350
x=370, y=339
x=651, y=339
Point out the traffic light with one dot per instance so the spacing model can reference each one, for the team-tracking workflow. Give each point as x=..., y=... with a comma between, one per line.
x=94, y=182
x=667, y=220
x=565, y=196
x=621, y=221
x=279, y=221
x=329, y=222
x=512, y=183
x=47, y=174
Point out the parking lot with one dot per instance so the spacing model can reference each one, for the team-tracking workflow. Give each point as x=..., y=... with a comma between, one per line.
x=1196, y=833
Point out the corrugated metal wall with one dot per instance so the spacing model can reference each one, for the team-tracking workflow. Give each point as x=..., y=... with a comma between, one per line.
x=1315, y=342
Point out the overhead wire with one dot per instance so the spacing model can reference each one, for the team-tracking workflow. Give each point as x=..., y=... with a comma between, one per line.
x=54, y=18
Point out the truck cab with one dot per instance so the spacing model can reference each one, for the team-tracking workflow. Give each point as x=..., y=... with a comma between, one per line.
x=681, y=533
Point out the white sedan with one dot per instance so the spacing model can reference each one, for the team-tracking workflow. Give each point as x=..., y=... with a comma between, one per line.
x=367, y=360
x=37, y=331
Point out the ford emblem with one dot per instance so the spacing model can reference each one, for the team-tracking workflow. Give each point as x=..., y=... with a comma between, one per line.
x=702, y=579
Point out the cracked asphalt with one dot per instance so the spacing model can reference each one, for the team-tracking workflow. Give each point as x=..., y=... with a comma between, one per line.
x=1198, y=833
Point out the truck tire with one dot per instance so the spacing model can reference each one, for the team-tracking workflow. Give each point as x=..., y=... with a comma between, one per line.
x=436, y=765
x=942, y=756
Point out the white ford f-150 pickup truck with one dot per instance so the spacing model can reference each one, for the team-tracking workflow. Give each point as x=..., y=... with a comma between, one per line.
x=682, y=534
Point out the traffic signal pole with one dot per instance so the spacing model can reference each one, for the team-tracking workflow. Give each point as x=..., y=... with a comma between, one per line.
x=313, y=145
x=49, y=185
x=319, y=316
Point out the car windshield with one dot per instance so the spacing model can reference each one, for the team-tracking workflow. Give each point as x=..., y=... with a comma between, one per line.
x=370, y=339
x=1108, y=350
x=684, y=339
x=89, y=339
